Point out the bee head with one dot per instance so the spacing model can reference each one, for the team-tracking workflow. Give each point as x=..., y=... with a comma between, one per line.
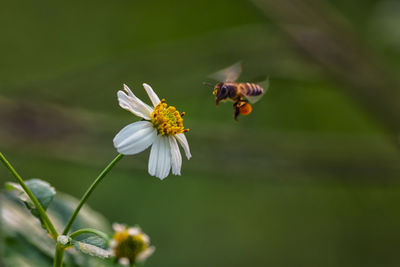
x=220, y=91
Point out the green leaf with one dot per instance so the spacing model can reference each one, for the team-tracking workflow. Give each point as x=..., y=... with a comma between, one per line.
x=27, y=245
x=93, y=246
x=42, y=190
x=92, y=242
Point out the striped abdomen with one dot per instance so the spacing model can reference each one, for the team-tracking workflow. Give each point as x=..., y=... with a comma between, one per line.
x=250, y=89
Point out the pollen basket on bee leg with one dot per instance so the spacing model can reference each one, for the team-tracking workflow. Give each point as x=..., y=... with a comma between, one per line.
x=245, y=109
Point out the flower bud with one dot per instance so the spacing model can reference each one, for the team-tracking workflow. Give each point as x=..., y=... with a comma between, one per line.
x=130, y=245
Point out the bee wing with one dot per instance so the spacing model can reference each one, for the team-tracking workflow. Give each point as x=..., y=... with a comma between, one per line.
x=253, y=99
x=229, y=74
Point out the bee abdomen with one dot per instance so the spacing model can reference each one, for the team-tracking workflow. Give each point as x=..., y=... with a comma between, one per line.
x=251, y=89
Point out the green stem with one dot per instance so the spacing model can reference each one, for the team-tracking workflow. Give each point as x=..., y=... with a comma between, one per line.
x=58, y=257
x=89, y=192
x=89, y=231
x=35, y=201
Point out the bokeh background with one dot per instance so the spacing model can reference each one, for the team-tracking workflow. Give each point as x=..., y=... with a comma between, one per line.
x=310, y=178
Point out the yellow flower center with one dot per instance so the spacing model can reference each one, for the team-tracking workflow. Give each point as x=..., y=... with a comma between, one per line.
x=129, y=246
x=167, y=120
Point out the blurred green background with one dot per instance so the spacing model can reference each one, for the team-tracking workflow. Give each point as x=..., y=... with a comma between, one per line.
x=310, y=178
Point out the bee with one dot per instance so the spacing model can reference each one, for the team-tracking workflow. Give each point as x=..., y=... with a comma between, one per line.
x=241, y=93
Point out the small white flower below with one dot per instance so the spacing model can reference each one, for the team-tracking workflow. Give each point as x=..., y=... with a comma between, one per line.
x=130, y=245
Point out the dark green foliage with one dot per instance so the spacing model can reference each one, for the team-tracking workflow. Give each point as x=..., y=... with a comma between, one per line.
x=27, y=245
x=42, y=190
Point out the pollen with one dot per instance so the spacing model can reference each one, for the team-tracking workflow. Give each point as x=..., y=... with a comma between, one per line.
x=167, y=120
x=245, y=109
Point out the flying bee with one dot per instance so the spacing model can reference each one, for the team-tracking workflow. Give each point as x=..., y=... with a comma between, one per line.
x=241, y=93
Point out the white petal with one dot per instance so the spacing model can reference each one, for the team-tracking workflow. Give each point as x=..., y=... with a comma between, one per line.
x=117, y=227
x=141, y=110
x=160, y=158
x=146, y=239
x=153, y=157
x=145, y=254
x=176, y=158
x=184, y=143
x=132, y=231
x=126, y=88
x=135, y=138
x=165, y=153
x=133, y=104
x=113, y=244
x=153, y=97
x=124, y=261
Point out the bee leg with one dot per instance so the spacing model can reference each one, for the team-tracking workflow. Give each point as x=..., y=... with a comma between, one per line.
x=236, y=111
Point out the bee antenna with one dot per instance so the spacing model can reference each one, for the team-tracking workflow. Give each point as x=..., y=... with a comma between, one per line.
x=208, y=84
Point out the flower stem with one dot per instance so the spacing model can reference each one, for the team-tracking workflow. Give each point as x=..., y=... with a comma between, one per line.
x=89, y=192
x=33, y=198
x=58, y=257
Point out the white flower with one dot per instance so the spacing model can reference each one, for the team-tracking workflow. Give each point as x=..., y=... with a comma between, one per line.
x=161, y=128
